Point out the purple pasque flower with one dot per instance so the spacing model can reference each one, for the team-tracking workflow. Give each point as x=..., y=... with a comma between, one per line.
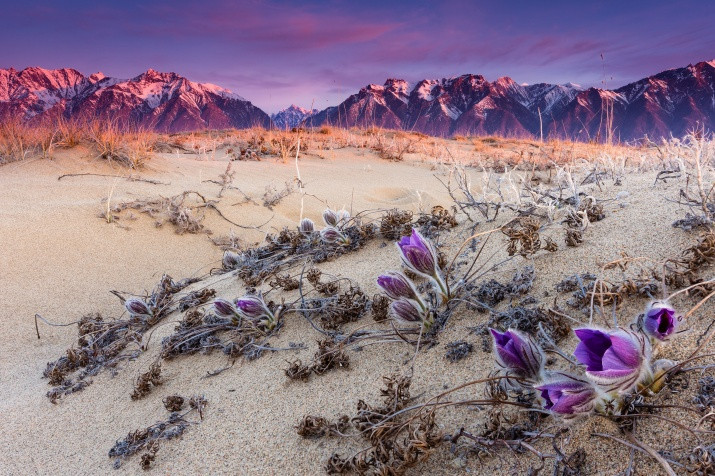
x=254, y=308
x=330, y=234
x=419, y=256
x=409, y=311
x=225, y=309
x=614, y=360
x=567, y=395
x=138, y=308
x=660, y=320
x=330, y=217
x=397, y=285
x=518, y=354
x=307, y=226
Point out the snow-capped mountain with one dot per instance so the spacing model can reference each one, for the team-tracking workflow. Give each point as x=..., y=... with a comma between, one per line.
x=291, y=117
x=669, y=103
x=159, y=101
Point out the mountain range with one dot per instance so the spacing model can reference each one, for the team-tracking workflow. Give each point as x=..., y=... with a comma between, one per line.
x=670, y=103
x=154, y=100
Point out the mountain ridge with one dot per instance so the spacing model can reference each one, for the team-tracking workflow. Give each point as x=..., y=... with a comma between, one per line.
x=669, y=103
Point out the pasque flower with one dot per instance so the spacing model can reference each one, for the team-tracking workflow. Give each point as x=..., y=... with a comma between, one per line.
x=254, y=309
x=306, y=226
x=330, y=217
x=615, y=360
x=397, y=285
x=330, y=234
x=419, y=256
x=226, y=309
x=567, y=395
x=518, y=354
x=660, y=320
x=137, y=307
x=409, y=311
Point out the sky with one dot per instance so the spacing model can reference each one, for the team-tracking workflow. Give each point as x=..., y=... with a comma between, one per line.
x=277, y=53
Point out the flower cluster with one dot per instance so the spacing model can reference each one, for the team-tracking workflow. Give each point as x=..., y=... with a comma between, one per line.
x=408, y=305
x=251, y=308
x=616, y=361
x=333, y=231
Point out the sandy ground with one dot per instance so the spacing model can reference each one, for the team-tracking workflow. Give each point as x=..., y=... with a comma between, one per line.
x=60, y=259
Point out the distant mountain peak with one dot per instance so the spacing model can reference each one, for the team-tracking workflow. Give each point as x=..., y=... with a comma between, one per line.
x=153, y=99
x=292, y=116
x=665, y=104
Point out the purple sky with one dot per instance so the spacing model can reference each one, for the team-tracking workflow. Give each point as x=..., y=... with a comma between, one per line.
x=275, y=53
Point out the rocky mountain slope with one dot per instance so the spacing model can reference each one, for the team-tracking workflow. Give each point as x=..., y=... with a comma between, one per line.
x=669, y=103
x=160, y=101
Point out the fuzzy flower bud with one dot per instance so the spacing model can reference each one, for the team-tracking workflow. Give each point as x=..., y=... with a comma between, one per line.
x=306, y=226
x=518, y=354
x=615, y=360
x=567, y=395
x=408, y=311
x=137, y=307
x=418, y=254
x=254, y=308
x=225, y=309
x=660, y=320
x=330, y=234
x=330, y=217
x=397, y=285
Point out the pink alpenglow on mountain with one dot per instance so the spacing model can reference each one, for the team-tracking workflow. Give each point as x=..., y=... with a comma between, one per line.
x=164, y=102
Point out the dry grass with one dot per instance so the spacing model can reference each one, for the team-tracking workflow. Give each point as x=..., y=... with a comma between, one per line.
x=132, y=148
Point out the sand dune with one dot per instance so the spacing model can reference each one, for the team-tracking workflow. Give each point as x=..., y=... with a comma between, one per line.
x=60, y=259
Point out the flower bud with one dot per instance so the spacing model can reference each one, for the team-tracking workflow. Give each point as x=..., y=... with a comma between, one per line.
x=660, y=320
x=397, y=285
x=330, y=234
x=343, y=216
x=225, y=309
x=615, y=360
x=407, y=311
x=418, y=254
x=518, y=354
x=567, y=395
x=306, y=226
x=330, y=217
x=137, y=307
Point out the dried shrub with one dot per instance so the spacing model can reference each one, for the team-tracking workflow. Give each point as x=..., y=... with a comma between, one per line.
x=573, y=237
x=330, y=355
x=490, y=293
x=380, y=307
x=458, y=350
x=318, y=427
x=173, y=403
x=146, y=381
x=195, y=299
x=523, y=234
x=704, y=399
x=439, y=219
x=102, y=344
x=286, y=282
x=395, y=224
x=149, y=438
x=344, y=308
x=186, y=217
x=396, y=444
